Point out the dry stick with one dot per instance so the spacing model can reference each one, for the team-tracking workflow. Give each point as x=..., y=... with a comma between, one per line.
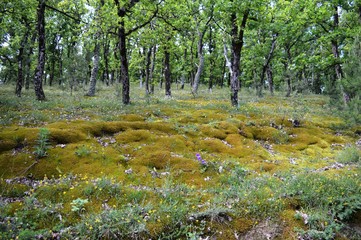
x=28, y=168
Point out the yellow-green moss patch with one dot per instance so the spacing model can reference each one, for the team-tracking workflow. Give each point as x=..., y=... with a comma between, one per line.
x=66, y=136
x=133, y=136
x=212, y=132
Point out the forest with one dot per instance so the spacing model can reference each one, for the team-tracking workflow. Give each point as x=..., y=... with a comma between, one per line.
x=187, y=119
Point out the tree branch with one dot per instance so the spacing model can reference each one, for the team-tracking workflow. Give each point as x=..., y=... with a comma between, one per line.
x=145, y=23
x=170, y=24
x=64, y=13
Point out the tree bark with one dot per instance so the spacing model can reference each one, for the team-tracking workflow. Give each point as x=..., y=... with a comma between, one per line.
x=336, y=55
x=28, y=61
x=335, y=51
x=167, y=73
x=200, y=54
x=152, y=66
x=270, y=79
x=106, y=61
x=123, y=63
x=38, y=80
x=183, y=77
x=95, y=69
x=147, y=69
x=200, y=63
x=20, y=80
x=287, y=71
x=237, y=44
x=264, y=68
x=122, y=45
x=212, y=60
x=223, y=74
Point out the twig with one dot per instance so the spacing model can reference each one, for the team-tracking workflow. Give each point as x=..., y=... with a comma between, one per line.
x=28, y=168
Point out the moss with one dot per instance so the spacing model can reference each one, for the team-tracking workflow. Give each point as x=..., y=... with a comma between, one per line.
x=213, y=145
x=264, y=167
x=162, y=127
x=291, y=223
x=245, y=131
x=236, y=140
x=14, y=165
x=175, y=143
x=52, y=193
x=92, y=128
x=115, y=127
x=12, y=135
x=131, y=118
x=283, y=122
x=59, y=136
x=157, y=159
x=7, y=144
x=323, y=144
x=241, y=225
x=212, y=132
x=305, y=139
x=183, y=164
x=227, y=127
x=133, y=136
x=263, y=133
x=13, y=190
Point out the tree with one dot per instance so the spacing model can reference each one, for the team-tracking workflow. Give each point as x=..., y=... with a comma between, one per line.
x=122, y=10
x=236, y=49
x=96, y=55
x=38, y=80
x=202, y=24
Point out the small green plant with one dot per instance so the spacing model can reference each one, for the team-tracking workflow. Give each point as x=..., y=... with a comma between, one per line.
x=280, y=137
x=41, y=149
x=349, y=155
x=125, y=223
x=82, y=151
x=78, y=205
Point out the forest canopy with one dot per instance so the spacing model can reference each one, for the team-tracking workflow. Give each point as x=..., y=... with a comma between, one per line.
x=290, y=46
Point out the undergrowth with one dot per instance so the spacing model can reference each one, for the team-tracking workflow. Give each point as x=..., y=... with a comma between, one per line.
x=180, y=168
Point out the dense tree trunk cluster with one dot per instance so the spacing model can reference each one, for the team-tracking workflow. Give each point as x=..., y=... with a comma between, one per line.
x=293, y=47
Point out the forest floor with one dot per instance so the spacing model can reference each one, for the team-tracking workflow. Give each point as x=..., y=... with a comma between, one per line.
x=180, y=168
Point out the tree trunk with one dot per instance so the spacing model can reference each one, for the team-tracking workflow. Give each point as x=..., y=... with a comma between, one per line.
x=122, y=45
x=200, y=64
x=28, y=61
x=106, y=61
x=152, y=66
x=95, y=69
x=167, y=73
x=20, y=80
x=237, y=44
x=270, y=79
x=287, y=71
x=212, y=59
x=38, y=80
x=317, y=84
x=335, y=51
x=264, y=68
x=223, y=74
x=52, y=71
x=60, y=80
x=112, y=77
x=147, y=70
x=124, y=65
x=336, y=55
x=211, y=77
x=200, y=54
